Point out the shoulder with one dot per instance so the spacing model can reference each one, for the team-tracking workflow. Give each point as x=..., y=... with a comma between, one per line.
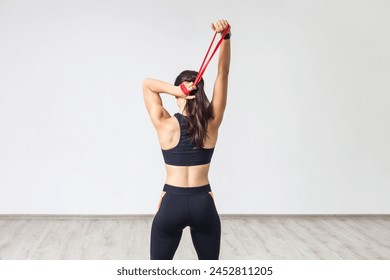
x=167, y=124
x=168, y=132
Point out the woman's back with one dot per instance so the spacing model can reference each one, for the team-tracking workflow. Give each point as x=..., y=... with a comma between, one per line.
x=185, y=165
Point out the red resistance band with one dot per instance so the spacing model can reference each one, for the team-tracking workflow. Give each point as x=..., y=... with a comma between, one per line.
x=204, y=63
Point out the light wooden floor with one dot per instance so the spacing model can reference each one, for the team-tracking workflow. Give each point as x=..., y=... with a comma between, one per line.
x=243, y=237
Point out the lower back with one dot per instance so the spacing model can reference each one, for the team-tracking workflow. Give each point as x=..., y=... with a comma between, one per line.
x=187, y=176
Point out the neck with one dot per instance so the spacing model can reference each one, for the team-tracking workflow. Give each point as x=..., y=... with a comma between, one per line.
x=182, y=110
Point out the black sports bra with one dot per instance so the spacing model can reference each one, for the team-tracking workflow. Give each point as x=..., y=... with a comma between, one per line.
x=185, y=153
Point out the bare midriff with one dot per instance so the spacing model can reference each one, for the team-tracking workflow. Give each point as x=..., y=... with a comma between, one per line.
x=187, y=176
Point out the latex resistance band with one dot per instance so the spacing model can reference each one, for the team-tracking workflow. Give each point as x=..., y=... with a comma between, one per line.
x=204, y=63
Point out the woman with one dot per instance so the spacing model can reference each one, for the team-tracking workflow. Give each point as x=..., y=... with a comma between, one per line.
x=187, y=141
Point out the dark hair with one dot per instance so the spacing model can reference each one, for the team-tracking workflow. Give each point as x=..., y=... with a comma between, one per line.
x=199, y=111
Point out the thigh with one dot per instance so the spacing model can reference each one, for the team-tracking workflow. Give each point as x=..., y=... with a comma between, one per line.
x=167, y=227
x=205, y=227
x=163, y=246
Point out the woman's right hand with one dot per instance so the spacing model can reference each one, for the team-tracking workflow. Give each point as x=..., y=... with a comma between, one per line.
x=220, y=25
x=189, y=86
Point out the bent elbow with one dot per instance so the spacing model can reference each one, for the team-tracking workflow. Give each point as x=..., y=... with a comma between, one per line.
x=145, y=82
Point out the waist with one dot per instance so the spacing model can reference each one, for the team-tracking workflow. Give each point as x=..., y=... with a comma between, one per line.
x=187, y=175
x=187, y=190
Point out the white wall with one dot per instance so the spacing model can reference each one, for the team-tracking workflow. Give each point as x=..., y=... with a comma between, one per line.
x=306, y=130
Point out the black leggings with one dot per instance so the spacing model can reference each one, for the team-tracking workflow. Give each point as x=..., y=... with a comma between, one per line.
x=181, y=207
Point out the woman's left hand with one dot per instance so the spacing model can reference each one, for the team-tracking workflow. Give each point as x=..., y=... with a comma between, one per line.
x=220, y=25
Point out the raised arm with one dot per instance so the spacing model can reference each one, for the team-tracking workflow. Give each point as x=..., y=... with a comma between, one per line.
x=152, y=89
x=219, y=99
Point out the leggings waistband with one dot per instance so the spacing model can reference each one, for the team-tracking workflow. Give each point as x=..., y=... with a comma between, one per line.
x=187, y=190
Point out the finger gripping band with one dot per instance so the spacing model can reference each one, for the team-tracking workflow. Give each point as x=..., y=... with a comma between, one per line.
x=204, y=63
x=184, y=89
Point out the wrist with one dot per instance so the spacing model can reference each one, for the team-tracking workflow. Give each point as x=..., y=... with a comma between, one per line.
x=178, y=91
x=184, y=89
x=227, y=36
